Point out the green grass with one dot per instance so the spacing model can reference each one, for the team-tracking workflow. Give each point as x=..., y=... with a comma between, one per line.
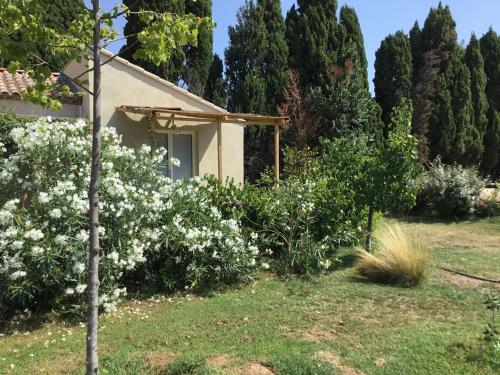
x=283, y=325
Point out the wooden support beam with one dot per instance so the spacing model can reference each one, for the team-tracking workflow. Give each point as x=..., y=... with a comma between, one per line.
x=219, y=149
x=277, y=153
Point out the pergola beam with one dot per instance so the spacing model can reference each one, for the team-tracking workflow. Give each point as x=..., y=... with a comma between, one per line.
x=177, y=114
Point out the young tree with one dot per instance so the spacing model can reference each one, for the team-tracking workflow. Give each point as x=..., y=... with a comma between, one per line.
x=83, y=39
x=215, y=89
x=393, y=74
x=170, y=70
x=392, y=171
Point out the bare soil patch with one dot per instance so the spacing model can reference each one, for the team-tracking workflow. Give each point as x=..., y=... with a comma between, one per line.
x=160, y=360
x=315, y=334
x=334, y=359
x=254, y=368
x=219, y=360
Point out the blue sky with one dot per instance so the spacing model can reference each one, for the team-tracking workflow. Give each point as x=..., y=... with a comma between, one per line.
x=378, y=18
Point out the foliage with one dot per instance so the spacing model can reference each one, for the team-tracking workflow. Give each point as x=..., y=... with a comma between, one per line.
x=351, y=43
x=489, y=204
x=393, y=73
x=256, y=74
x=312, y=41
x=215, y=89
x=187, y=64
x=303, y=128
x=144, y=218
x=449, y=190
x=475, y=63
x=196, y=247
x=399, y=259
x=9, y=121
x=492, y=303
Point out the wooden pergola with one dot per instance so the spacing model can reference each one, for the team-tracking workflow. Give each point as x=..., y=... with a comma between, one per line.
x=171, y=114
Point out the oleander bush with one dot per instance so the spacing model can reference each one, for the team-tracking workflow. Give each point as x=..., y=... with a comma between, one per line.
x=44, y=226
x=449, y=191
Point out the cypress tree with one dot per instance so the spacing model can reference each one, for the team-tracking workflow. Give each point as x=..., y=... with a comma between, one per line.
x=199, y=58
x=441, y=122
x=475, y=63
x=215, y=88
x=439, y=31
x=171, y=70
x=349, y=32
x=467, y=147
x=490, y=49
x=491, y=161
x=256, y=72
x=393, y=74
x=275, y=62
x=312, y=40
x=417, y=53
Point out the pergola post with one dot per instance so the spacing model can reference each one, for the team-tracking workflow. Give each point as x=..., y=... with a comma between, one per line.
x=277, y=152
x=219, y=149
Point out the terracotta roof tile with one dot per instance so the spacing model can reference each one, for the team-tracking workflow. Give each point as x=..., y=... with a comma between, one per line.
x=12, y=86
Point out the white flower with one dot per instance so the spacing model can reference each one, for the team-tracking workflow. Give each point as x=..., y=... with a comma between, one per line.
x=17, y=245
x=37, y=250
x=175, y=162
x=49, y=118
x=61, y=239
x=80, y=288
x=56, y=213
x=34, y=234
x=79, y=267
x=254, y=236
x=82, y=235
x=114, y=256
x=17, y=274
x=69, y=291
x=43, y=198
x=265, y=266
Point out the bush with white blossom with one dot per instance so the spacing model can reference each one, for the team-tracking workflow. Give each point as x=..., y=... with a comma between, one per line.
x=44, y=224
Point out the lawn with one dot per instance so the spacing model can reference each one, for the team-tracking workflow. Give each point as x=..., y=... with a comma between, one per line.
x=325, y=325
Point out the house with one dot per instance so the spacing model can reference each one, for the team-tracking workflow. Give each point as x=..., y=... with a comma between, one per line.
x=145, y=108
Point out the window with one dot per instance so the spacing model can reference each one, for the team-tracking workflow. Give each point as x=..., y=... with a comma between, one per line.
x=179, y=145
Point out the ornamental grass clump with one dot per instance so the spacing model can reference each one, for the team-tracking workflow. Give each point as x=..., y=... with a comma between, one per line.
x=399, y=259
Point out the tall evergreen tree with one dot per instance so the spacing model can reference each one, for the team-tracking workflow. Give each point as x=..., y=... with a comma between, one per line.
x=199, y=58
x=275, y=63
x=256, y=72
x=311, y=36
x=393, y=74
x=490, y=49
x=417, y=53
x=215, y=88
x=491, y=160
x=451, y=124
x=475, y=63
x=349, y=32
x=171, y=70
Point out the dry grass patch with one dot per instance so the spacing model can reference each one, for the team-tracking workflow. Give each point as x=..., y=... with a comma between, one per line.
x=399, y=259
x=160, y=360
x=334, y=359
x=253, y=368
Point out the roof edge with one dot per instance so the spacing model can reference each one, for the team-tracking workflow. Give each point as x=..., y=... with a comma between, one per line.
x=163, y=81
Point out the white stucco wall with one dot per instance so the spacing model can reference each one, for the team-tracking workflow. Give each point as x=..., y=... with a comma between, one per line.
x=126, y=84
x=28, y=109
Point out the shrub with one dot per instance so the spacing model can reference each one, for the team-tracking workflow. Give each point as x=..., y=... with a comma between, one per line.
x=8, y=121
x=399, y=259
x=489, y=203
x=449, y=190
x=144, y=218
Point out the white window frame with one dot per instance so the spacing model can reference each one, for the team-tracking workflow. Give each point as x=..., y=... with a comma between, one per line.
x=170, y=142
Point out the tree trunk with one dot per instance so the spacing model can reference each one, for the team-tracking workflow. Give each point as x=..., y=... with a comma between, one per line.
x=93, y=271
x=369, y=230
